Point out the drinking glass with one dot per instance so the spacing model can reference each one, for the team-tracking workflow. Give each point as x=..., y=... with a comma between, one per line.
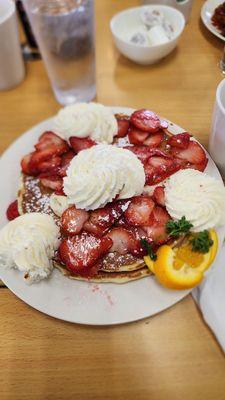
x=64, y=30
x=12, y=69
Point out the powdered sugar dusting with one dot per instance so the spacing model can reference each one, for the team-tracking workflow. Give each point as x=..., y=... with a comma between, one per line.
x=35, y=197
x=113, y=261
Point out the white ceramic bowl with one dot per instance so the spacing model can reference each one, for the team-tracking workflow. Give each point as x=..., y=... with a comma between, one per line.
x=124, y=24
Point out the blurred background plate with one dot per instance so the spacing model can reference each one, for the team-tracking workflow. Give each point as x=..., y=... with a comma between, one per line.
x=207, y=12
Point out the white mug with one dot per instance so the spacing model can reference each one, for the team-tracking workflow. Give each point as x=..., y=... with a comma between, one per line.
x=12, y=69
x=217, y=136
x=184, y=6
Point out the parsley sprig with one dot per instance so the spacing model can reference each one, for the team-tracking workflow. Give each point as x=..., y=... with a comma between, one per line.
x=146, y=245
x=201, y=242
x=177, y=228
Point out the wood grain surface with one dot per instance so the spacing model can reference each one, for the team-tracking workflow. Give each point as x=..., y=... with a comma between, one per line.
x=170, y=356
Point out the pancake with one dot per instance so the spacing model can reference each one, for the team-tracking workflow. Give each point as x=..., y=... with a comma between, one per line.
x=114, y=268
x=106, y=277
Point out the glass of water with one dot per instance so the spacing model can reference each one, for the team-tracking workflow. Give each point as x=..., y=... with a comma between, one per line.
x=64, y=30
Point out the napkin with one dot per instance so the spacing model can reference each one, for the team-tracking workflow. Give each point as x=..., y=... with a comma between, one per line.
x=210, y=297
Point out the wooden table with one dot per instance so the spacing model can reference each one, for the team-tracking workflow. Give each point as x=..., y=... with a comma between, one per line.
x=171, y=356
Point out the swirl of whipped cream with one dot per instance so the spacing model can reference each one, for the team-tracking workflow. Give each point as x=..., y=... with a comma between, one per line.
x=198, y=197
x=99, y=174
x=86, y=119
x=58, y=204
x=28, y=244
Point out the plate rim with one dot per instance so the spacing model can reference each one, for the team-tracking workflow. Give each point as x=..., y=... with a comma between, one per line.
x=213, y=30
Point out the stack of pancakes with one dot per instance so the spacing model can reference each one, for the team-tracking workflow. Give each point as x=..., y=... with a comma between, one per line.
x=33, y=197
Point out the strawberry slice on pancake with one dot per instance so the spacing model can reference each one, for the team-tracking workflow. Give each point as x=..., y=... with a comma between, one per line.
x=156, y=229
x=193, y=155
x=79, y=253
x=123, y=241
x=79, y=144
x=139, y=211
x=159, y=196
x=73, y=220
x=12, y=211
x=145, y=120
x=123, y=126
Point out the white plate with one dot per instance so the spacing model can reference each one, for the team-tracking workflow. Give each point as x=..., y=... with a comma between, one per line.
x=74, y=301
x=207, y=12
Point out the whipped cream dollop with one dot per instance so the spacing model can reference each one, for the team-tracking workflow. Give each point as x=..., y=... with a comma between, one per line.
x=28, y=244
x=86, y=119
x=198, y=197
x=58, y=204
x=97, y=175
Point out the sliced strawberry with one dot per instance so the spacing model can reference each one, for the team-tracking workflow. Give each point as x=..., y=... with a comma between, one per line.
x=50, y=165
x=156, y=230
x=65, y=162
x=151, y=175
x=67, y=157
x=51, y=136
x=73, y=220
x=60, y=192
x=97, y=230
x=200, y=167
x=157, y=234
x=159, y=195
x=154, y=140
x=49, y=145
x=145, y=120
x=138, y=233
x=163, y=124
x=12, y=211
x=123, y=126
x=159, y=216
x=122, y=222
x=123, y=240
x=181, y=140
x=79, y=144
x=103, y=218
x=194, y=153
x=44, y=155
x=159, y=168
x=136, y=136
x=139, y=211
x=161, y=163
x=53, y=182
x=79, y=253
x=48, y=138
x=27, y=167
x=142, y=152
x=145, y=152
